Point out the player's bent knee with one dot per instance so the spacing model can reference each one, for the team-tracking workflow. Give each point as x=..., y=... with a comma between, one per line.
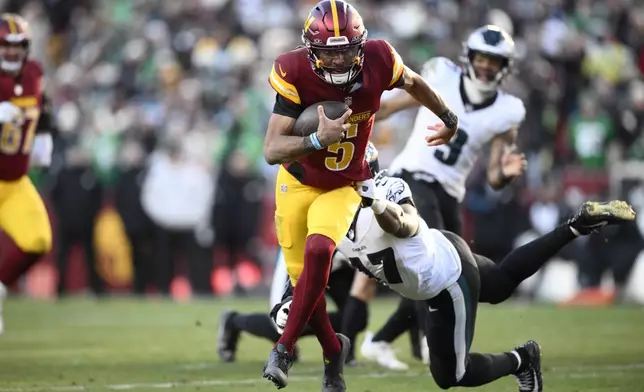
x=443, y=379
x=319, y=245
x=498, y=292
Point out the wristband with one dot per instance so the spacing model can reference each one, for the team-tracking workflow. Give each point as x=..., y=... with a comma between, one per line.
x=379, y=206
x=449, y=119
x=315, y=141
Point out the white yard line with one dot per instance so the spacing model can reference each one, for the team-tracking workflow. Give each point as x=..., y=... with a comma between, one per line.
x=203, y=383
x=590, y=371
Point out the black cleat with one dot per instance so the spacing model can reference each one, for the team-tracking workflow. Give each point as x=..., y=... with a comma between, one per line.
x=333, y=380
x=277, y=366
x=227, y=337
x=529, y=373
x=592, y=216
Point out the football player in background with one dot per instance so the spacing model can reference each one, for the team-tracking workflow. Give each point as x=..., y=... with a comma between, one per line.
x=487, y=117
x=315, y=197
x=25, y=140
x=390, y=242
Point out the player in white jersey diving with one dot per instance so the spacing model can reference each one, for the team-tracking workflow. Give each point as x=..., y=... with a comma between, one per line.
x=487, y=116
x=390, y=242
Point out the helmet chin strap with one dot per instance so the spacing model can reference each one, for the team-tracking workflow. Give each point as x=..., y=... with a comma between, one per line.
x=10, y=66
x=475, y=90
x=340, y=79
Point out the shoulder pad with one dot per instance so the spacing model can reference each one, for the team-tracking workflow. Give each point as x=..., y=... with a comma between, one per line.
x=393, y=65
x=284, y=75
x=437, y=67
x=512, y=114
x=34, y=67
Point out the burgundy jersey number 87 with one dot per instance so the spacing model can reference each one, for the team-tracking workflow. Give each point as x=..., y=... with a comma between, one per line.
x=19, y=139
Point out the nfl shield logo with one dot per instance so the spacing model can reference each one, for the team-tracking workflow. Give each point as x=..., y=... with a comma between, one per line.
x=348, y=101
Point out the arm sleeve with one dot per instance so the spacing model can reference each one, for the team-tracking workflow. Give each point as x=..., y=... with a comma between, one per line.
x=46, y=120
x=282, y=80
x=512, y=117
x=286, y=108
x=396, y=67
x=41, y=150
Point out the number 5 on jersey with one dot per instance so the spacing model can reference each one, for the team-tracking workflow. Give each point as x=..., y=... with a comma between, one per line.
x=344, y=151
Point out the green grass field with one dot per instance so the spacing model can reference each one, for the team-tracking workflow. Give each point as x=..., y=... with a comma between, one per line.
x=78, y=345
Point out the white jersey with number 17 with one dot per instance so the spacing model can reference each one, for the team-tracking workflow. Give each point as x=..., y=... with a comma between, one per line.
x=478, y=124
x=418, y=268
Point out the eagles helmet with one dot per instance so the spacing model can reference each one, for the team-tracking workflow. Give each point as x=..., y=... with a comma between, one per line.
x=494, y=42
x=335, y=36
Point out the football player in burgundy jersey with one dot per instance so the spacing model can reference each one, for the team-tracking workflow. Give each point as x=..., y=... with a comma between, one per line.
x=315, y=196
x=25, y=140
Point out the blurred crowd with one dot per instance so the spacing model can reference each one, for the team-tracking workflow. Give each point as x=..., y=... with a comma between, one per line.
x=162, y=106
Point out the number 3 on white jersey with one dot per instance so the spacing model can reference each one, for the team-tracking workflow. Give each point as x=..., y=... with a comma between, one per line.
x=344, y=151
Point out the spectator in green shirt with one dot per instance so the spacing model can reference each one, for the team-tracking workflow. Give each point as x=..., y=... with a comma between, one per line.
x=590, y=130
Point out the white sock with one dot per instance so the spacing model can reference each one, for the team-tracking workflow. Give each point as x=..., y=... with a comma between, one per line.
x=516, y=354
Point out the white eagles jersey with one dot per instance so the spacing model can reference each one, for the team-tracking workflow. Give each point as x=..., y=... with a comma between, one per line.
x=418, y=268
x=478, y=124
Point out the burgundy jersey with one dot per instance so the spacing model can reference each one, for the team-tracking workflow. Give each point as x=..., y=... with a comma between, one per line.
x=24, y=91
x=342, y=163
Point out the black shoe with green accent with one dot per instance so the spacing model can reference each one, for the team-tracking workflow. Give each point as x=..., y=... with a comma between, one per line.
x=592, y=216
x=333, y=380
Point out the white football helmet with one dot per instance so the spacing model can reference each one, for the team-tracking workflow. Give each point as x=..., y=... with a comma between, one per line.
x=493, y=41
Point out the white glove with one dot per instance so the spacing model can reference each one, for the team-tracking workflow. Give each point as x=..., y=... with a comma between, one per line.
x=41, y=150
x=282, y=316
x=367, y=190
x=11, y=114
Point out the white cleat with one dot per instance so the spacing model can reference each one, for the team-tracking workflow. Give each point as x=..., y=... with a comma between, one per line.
x=381, y=353
x=3, y=295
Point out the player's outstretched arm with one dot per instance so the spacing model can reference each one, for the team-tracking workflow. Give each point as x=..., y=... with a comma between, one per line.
x=422, y=92
x=400, y=102
x=400, y=220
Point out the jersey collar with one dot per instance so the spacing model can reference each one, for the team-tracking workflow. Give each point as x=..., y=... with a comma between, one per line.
x=469, y=107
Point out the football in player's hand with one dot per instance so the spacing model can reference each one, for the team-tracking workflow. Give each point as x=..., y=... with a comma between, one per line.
x=307, y=122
